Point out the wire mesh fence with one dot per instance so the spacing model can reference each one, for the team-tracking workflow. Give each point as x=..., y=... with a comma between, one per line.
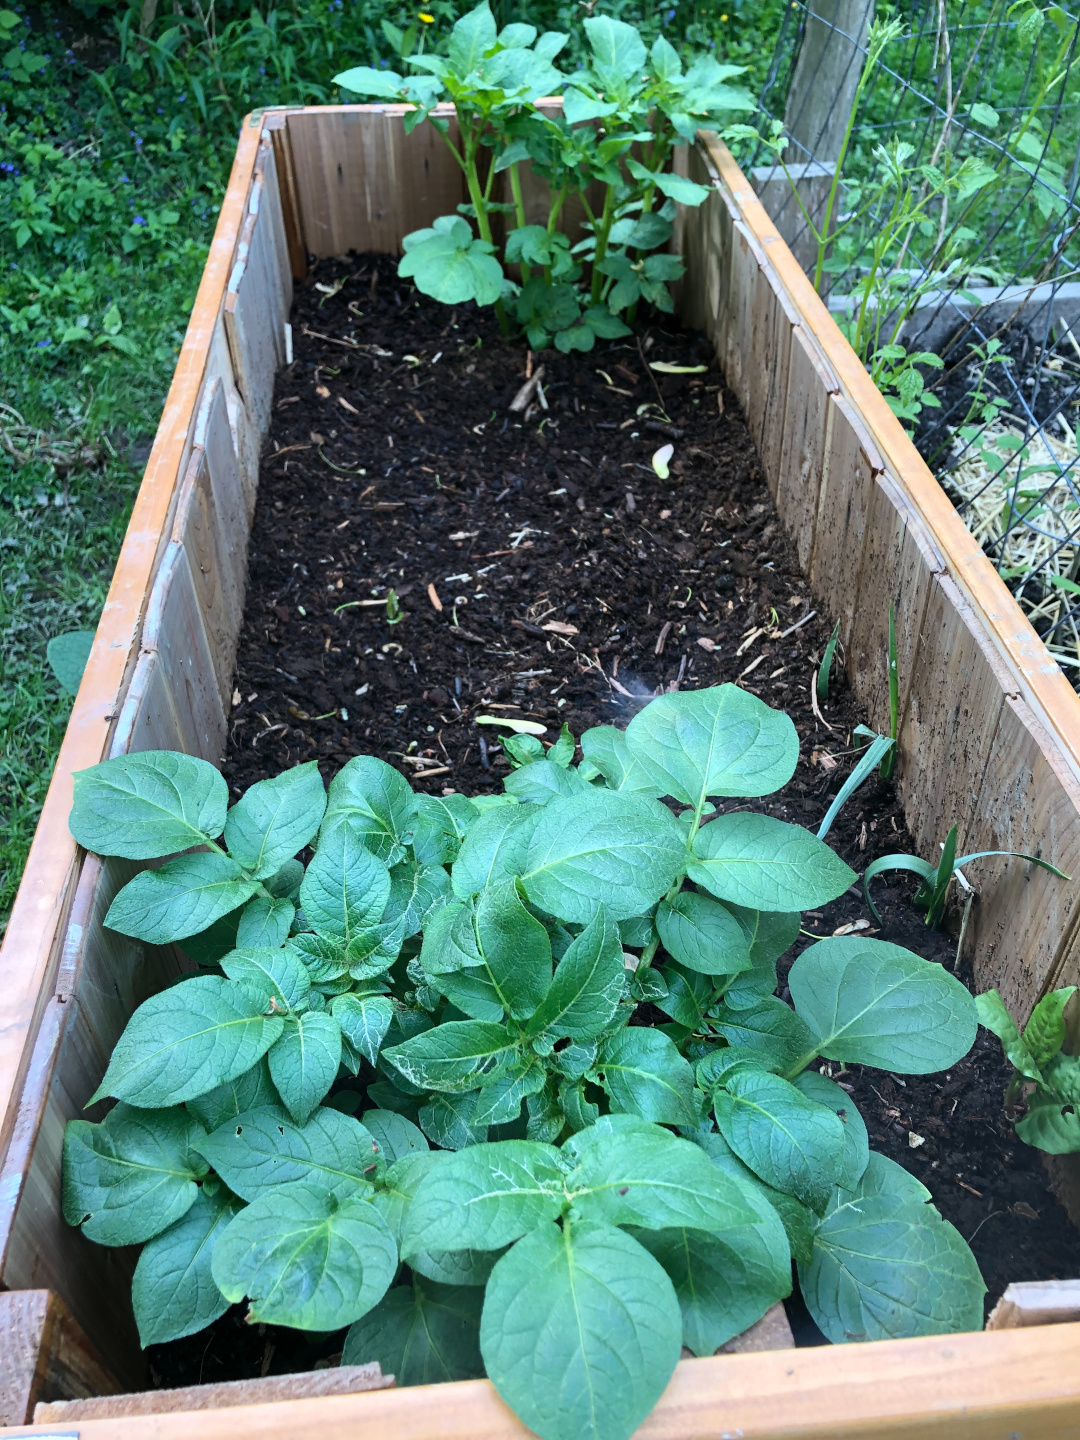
x=924, y=167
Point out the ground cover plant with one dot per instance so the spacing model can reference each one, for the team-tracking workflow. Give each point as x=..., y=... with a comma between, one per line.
x=624, y=96
x=486, y=969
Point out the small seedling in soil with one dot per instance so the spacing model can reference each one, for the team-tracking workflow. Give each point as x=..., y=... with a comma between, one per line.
x=936, y=879
x=541, y=1165
x=394, y=612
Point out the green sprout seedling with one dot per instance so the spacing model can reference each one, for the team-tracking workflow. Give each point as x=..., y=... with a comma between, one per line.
x=935, y=879
x=394, y=612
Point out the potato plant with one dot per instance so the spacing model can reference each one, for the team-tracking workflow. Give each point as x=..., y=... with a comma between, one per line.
x=539, y=1183
x=622, y=116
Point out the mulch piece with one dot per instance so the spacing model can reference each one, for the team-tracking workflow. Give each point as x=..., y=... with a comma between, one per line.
x=574, y=584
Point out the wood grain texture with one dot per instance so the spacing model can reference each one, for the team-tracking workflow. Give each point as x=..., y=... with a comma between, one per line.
x=802, y=452
x=363, y=183
x=102, y=978
x=969, y=648
x=777, y=322
x=176, y=630
x=850, y=466
x=340, y=1380
x=985, y=1386
x=947, y=727
x=1023, y=927
x=291, y=215
x=44, y=1355
x=898, y=563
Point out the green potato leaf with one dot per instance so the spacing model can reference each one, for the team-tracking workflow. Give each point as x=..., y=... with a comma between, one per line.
x=187, y=1041
x=1044, y=1034
x=305, y=1258
x=543, y=780
x=279, y=974
x=495, y=849
x=173, y=1292
x=719, y=741
x=872, y=1003
x=148, y=805
x=304, y=1061
x=584, y=994
x=610, y=848
x=766, y=864
x=606, y=749
x=414, y=891
x=648, y=1177
x=395, y=1136
x=345, y=887
x=796, y=1220
x=886, y=1267
x=265, y=1148
x=448, y=1121
x=455, y=1057
x=856, y=1141
x=515, y=949
x=645, y=1075
x=449, y=943
x=448, y=263
x=422, y=1334
x=992, y=1013
x=724, y=1283
x=133, y=1175
x=589, y=1307
x=400, y=1184
x=364, y=1021
x=793, y=1143
x=782, y=1041
x=768, y=935
x=1051, y=1124
x=484, y=1197
x=702, y=935
x=183, y=897
x=275, y=819
x=265, y=923
x=375, y=803
x=249, y=1091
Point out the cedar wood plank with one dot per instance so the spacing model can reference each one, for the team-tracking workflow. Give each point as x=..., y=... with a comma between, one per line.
x=984, y=1386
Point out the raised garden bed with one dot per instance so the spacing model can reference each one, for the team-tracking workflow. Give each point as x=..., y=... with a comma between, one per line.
x=874, y=531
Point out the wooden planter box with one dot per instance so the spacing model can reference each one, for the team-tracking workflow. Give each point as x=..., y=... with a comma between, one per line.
x=990, y=740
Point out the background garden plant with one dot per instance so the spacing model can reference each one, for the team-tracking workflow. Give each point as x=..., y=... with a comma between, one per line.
x=478, y=966
x=1045, y=1083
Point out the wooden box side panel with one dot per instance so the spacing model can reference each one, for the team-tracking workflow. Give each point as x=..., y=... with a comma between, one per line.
x=983, y=1386
x=980, y=707
x=362, y=183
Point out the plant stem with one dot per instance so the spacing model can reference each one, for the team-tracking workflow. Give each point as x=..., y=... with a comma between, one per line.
x=602, y=233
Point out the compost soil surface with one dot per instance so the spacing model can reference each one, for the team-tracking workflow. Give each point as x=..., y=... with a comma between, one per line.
x=572, y=583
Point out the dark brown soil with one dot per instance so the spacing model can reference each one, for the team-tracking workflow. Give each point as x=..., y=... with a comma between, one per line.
x=394, y=462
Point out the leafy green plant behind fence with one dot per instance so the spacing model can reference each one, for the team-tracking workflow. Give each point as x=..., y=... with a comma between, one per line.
x=625, y=98
x=538, y=1178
